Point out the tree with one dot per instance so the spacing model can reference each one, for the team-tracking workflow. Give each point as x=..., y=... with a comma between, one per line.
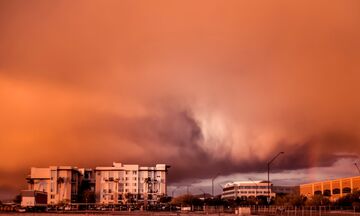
x=17, y=199
x=352, y=199
x=290, y=200
x=165, y=199
x=88, y=196
x=318, y=200
x=186, y=200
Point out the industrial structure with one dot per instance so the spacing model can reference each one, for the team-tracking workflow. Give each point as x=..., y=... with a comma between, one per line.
x=334, y=189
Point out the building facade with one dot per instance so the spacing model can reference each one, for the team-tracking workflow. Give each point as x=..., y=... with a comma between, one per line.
x=125, y=183
x=61, y=183
x=334, y=189
x=282, y=190
x=245, y=189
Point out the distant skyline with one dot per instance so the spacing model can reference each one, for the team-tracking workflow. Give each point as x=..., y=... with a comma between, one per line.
x=205, y=86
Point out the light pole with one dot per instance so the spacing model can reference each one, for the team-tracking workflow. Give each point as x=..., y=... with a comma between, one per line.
x=212, y=184
x=268, y=169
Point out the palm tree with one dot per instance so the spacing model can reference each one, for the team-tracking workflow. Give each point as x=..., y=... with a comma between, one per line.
x=30, y=181
x=60, y=181
x=147, y=184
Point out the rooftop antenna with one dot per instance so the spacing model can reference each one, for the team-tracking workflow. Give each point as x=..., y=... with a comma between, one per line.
x=357, y=167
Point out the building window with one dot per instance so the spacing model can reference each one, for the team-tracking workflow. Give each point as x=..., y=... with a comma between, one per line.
x=346, y=190
x=327, y=193
x=318, y=192
x=336, y=191
x=134, y=184
x=134, y=172
x=126, y=172
x=135, y=178
x=52, y=196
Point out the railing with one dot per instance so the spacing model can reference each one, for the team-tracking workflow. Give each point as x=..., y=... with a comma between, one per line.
x=305, y=210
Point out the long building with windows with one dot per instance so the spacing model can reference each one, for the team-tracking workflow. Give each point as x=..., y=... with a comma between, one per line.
x=61, y=183
x=334, y=189
x=125, y=183
x=245, y=189
x=117, y=184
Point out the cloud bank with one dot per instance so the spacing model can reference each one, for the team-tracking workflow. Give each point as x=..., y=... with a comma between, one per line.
x=207, y=88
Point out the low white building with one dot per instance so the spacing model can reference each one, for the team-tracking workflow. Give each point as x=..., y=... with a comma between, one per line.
x=245, y=189
x=126, y=183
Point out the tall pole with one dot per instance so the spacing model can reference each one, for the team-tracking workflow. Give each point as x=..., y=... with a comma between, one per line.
x=268, y=180
x=212, y=184
x=268, y=172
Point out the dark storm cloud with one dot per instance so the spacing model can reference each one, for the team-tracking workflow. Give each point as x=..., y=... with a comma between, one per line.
x=175, y=137
x=83, y=83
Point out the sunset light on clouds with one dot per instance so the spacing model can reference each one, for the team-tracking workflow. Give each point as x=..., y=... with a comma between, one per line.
x=195, y=84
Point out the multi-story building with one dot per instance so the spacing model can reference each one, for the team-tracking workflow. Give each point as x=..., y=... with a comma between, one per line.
x=282, y=190
x=61, y=183
x=124, y=183
x=334, y=189
x=245, y=189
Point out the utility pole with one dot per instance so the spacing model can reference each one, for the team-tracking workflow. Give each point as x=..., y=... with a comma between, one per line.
x=212, y=184
x=268, y=172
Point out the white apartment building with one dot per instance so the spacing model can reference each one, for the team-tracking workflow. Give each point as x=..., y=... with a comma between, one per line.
x=61, y=183
x=125, y=183
x=245, y=189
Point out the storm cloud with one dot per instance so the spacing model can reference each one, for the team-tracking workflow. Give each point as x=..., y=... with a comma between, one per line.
x=207, y=87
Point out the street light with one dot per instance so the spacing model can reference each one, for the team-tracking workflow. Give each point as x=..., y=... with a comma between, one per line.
x=212, y=183
x=268, y=167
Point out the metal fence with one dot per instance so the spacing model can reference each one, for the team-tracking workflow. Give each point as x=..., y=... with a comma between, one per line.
x=305, y=210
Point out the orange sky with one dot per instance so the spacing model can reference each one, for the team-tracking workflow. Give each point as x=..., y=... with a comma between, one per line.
x=189, y=83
